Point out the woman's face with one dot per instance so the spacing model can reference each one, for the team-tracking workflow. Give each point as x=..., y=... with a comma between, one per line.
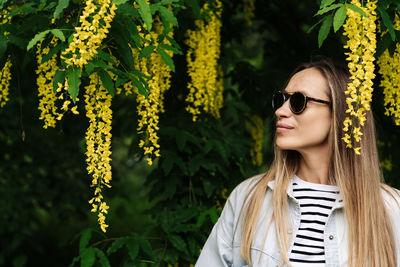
x=309, y=129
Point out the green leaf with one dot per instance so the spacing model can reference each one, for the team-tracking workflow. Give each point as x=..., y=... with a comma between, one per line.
x=339, y=18
x=144, y=11
x=51, y=53
x=105, y=56
x=325, y=3
x=59, y=34
x=167, y=164
x=192, y=245
x=194, y=164
x=59, y=77
x=180, y=141
x=327, y=9
x=146, y=247
x=107, y=82
x=17, y=41
x=177, y=242
x=213, y=215
x=387, y=21
x=171, y=48
x=194, y=5
x=167, y=59
x=324, y=30
x=2, y=2
x=357, y=9
x=50, y=6
x=102, y=258
x=167, y=15
x=201, y=218
x=173, y=42
x=120, y=81
x=184, y=215
x=41, y=5
x=88, y=257
x=133, y=248
x=128, y=10
x=73, y=79
x=3, y=45
x=147, y=50
x=98, y=63
x=89, y=67
x=117, y=244
x=62, y=4
x=85, y=238
x=119, y=2
x=208, y=187
x=315, y=25
x=382, y=45
x=37, y=38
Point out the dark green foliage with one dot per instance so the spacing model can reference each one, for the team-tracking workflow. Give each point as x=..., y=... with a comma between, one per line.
x=162, y=214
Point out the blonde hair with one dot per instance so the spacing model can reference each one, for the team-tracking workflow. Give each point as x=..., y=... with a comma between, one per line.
x=359, y=180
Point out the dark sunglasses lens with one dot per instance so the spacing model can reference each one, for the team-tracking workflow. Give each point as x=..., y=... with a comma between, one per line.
x=278, y=100
x=297, y=102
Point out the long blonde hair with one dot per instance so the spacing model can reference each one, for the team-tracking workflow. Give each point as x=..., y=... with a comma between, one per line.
x=359, y=180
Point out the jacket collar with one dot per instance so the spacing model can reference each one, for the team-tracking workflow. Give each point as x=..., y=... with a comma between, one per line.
x=289, y=191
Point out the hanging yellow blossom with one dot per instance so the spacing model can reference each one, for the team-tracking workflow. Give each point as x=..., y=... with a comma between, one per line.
x=206, y=83
x=389, y=68
x=256, y=127
x=5, y=82
x=248, y=8
x=4, y=18
x=94, y=24
x=361, y=42
x=149, y=108
x=47, y=97
x=98, y=142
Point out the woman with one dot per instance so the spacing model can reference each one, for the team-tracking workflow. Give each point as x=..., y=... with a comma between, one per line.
x=319, y=204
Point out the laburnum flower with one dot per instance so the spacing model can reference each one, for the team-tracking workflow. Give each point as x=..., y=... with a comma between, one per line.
x=249, y=8
x=206, y=83
x=95, y=22
x=361, y=44
x=49, y=112
x=150, y=108
x=256, y=127
x=389, y=68
x=5, y=77
x=98, y=143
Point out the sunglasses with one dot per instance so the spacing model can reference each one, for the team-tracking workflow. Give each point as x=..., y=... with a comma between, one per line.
x=298, y=101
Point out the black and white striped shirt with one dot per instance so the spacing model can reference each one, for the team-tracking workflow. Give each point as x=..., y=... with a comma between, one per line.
x=316, y=202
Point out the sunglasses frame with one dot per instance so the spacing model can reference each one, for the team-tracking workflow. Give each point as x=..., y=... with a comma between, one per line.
x=287, y=96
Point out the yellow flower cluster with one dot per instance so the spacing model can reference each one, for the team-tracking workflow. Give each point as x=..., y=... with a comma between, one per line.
x=361, y=42
x=389, y=68
x=98, y=142
x=218, y=205
x=150, y=108
x=94, y=24
x=47, y=96
x=206, y=85
x=248, y=8
x=5, y=82
x=256, y=127
x=4, y=18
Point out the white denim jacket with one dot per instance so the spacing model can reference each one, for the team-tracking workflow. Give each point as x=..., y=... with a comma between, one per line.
x=223, y=245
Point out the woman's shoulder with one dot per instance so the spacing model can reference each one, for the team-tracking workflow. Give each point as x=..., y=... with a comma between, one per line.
x=391, y=196
x=245, y=187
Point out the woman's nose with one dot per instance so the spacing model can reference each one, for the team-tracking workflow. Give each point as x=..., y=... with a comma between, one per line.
x=283, y=111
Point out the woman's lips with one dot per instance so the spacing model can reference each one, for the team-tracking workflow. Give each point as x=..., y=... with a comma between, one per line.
x=281, y=127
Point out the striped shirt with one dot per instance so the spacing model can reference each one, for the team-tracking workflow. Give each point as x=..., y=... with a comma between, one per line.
x=316, y=202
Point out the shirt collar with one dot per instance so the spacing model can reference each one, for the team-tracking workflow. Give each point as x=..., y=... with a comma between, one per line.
x=289, y=191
